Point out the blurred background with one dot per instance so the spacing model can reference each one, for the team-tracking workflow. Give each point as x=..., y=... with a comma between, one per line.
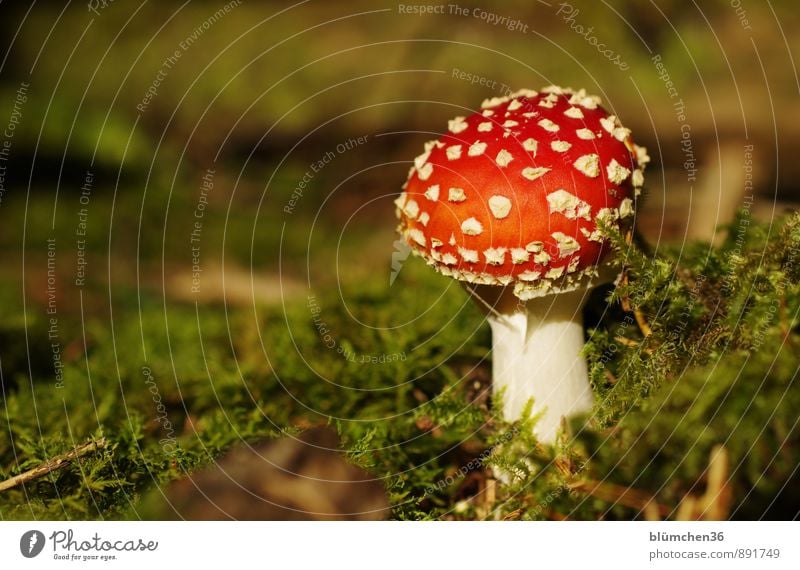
x=147, y=98
x=167, y=165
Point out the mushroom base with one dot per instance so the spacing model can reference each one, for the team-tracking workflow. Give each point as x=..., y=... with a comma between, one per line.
x=536, y=355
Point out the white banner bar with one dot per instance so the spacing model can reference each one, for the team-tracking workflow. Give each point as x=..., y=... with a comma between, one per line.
x=400, y=545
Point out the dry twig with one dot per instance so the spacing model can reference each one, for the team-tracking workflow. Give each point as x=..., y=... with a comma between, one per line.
x=626, y=496
x=57, y=462
x=626, y=302
x=715, y=503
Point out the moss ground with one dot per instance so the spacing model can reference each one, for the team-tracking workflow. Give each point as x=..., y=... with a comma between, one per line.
x=698, y=418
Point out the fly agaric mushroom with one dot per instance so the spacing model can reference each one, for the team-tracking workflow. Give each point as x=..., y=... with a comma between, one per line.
x=508, y=203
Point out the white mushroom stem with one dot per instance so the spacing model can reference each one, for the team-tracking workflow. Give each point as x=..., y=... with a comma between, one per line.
x=536, y=355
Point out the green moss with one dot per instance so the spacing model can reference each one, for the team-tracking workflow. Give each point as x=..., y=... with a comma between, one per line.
x=719, y=369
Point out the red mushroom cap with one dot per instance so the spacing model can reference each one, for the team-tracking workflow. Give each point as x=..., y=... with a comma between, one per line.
x=511, y=194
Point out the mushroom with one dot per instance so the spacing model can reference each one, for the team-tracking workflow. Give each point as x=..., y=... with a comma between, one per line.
x=508, y=202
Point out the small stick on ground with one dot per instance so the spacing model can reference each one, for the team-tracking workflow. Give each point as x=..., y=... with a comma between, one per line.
x=651, y=512
x=632, y=344
x=716, y=501
x=642, y=322
x=627, y=496
x=56, y=462
x=490, y=497
x=638, y=315
x=626, y=302
x=686, y=509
